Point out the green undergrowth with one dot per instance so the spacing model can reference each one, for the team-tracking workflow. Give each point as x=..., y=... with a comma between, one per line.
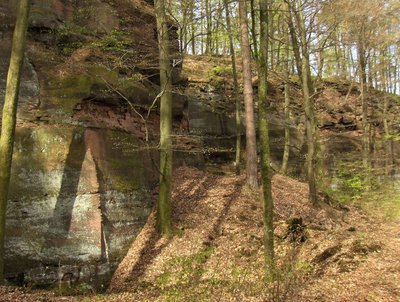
x=367, y=188
x=350, y=183
x=115, y=41
x=81, y=289
x=189, y=278
x=384, y=202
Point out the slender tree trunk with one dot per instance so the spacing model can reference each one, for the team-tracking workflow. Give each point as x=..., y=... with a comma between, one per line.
x=350, y=63
x=342, y=51
x=320, y=53
x=395, y=78
x=338, y=54
x=280, y=33
x=235, y=88
x=295, y=43
x=271, y=36
x=10, y=116
x=253, y=28
x=164, y=199
x=202, y=30
x=286, y=150
x=385, y=81
x=311, y=132
x=208, y=27
x=251, y=146
x=217, y=28
x=264, y=141
x=385, y=75
x=364, y=103
x=192, y=26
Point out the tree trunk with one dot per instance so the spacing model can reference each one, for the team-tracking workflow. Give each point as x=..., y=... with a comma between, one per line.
x=266, y=175
x=286, y=150
x=10, y=116
x=164, y=199
x=320, y=52
x=208, y=27
x=295, y=43
x=251, y=147
x=253, y=29
x=271, y=36
x=342, y=51
x=192, y=26
x=364, y=103
x=311, y=132
x=235, y=88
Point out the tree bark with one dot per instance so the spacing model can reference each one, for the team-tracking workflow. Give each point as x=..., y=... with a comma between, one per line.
x=311, y=132
x=364, y=103
x=235, y=88
x=295, y=43
x=208, y=27
x=253, y=29
x=9, y=116
x=251, y=146
x=286, y=150
x=266, y=174
x=164, y=199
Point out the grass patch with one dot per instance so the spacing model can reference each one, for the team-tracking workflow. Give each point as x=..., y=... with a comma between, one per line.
x=384, y=202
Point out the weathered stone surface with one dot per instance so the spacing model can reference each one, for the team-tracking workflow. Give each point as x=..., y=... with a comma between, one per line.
x=347, y=119
x=78, y=197
x=212, y=117
x=44, y=13
x=202, y=120
x=103, y=18
x=326, y=121
x=29, y=89
x=82, y=174
x=61, y=95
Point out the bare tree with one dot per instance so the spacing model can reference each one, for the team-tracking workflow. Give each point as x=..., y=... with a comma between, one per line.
x=251, y=144
x=164, y=199
x=10, y=116
x=264, y=140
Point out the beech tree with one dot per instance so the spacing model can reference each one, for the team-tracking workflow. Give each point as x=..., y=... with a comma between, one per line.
x=286, y=150
x=9, y=116
x=264, y=139
x=164, y=198
x=296, y=17
x=251, y=143
x=235, y=87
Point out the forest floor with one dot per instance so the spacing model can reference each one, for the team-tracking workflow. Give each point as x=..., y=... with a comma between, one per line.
x=336, y=253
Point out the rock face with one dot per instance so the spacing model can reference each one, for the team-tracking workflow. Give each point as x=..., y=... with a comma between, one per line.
x=336, y=110
x=82, y=174
x=78, y=196
x=211, y=104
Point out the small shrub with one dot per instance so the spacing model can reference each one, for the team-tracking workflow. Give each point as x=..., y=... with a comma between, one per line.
x=115, y=41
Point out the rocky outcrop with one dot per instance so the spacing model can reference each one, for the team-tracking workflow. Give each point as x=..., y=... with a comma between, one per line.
x=78, y=197
x=83, y=173
x=212, y=113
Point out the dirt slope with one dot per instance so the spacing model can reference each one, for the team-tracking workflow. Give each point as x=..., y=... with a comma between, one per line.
x=374, y=274
x=217, y=255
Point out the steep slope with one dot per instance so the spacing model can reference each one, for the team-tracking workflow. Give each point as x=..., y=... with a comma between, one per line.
x=333, y=254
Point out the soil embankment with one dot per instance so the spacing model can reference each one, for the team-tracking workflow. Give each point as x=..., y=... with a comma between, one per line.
x=335, y=253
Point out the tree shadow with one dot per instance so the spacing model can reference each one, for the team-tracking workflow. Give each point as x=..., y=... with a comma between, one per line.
x=60, y=222
x=84, y=143
x=149, y=252
x=151, y=245
x=216, y=230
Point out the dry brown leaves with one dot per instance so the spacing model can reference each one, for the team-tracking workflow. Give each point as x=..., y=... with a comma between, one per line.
x=217, y=252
